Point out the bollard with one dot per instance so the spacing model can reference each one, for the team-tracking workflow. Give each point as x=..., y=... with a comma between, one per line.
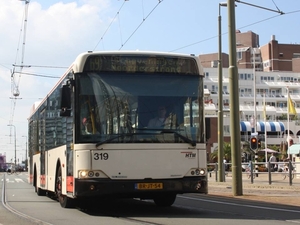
x=251, y=171
x=269, y=172
x=256, y=165
x=290, y=172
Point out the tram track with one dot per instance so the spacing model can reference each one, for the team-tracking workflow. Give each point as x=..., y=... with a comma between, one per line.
x=16, y=212
x=34, y=220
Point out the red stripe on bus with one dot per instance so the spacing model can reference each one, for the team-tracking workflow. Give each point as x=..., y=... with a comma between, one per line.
x=31, y=179
x=70, y=184
x=43, y=180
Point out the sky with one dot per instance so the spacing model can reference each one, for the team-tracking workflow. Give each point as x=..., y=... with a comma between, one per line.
x=57, y=31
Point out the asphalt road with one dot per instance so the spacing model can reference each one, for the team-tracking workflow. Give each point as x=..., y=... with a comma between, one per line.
x=218, y=207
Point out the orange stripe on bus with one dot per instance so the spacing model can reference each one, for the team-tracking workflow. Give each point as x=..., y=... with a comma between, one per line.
x=31, y=179
x=70, y=184
x=43, y=180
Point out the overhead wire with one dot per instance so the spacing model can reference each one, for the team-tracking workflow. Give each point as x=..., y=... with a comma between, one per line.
x=120, y=29
x=276, y=6
x=101, y=39
x=39, y=75
x=144, y=19
x=248, y=25
x=118, y=15
x=15, y=85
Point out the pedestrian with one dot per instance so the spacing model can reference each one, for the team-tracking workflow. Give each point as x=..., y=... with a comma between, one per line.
x=273, y=161
x=225, y=164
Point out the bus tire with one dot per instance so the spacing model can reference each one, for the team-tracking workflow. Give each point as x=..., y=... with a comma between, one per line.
x=64, y=201
x=40, y=192
x=164, y=200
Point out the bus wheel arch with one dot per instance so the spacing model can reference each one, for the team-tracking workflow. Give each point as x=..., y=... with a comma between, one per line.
x=64, y=200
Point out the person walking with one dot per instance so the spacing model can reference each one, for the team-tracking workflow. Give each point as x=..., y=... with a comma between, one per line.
x=273, y=161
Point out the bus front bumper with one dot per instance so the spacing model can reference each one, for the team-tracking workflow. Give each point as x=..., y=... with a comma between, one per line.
x=132, y=188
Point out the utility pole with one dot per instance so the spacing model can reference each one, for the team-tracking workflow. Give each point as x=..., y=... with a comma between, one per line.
x=26, y=163
x=15, y=144
x=237, y=185
x=221, y=172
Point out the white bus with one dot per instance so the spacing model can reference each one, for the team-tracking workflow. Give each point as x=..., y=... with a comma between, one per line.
x=90, y=137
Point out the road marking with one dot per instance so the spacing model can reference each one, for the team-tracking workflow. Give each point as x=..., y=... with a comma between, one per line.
x=18, y=180
x=9, y=181
x=236, y=204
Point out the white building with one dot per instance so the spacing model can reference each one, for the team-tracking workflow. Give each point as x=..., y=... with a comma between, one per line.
x=269, y=87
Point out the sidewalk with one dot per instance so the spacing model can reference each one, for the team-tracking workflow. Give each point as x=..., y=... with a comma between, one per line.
x=278, y=192
x=276, y=179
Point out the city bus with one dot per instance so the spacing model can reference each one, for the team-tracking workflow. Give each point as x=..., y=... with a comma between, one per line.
x=90, y=137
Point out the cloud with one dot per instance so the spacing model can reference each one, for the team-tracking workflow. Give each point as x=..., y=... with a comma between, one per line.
x=55, y=35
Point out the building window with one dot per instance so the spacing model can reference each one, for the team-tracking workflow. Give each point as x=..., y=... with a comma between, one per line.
x=296, y=55
x=266, y=64
x=239, y=55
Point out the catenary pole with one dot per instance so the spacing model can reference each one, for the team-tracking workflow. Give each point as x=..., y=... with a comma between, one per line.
x=237, y=186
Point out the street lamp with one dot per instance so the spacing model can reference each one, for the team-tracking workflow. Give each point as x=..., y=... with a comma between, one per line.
x=220, y=101
x=221, y=172
x=11, y=125
x=26, y=163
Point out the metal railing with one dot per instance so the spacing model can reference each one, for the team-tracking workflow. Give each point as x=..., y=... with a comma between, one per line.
x=266, y=172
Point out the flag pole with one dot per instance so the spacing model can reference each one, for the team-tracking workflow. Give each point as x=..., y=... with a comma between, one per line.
x=265, y=118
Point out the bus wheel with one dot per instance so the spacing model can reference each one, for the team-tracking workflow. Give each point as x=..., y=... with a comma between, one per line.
x=64, y=201
x=164, y=200
x=39, y=191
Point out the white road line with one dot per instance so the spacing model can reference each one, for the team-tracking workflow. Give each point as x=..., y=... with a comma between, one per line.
x=236, y=204
x=18, y=180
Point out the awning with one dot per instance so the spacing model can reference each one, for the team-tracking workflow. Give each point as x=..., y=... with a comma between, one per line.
x=294, y=149
x=270, y=126
x=245, y=126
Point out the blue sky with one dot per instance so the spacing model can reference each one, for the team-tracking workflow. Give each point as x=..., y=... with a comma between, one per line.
x=57, y=31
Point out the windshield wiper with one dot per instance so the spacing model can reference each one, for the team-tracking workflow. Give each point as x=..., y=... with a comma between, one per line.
x=187, y=140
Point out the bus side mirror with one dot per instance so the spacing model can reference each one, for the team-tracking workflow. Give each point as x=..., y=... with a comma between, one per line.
x=65, y=103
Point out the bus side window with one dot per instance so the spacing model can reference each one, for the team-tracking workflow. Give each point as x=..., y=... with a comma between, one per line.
x=65, y=103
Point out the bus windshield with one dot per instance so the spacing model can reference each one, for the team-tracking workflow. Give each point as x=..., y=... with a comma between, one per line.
x=138, y=108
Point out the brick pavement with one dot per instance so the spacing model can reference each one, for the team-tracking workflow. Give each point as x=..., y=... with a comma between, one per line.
x=278, y=192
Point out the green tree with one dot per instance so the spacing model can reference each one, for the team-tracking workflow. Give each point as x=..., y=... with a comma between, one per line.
x=227, y=152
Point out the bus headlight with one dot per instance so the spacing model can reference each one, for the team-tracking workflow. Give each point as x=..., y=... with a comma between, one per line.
x=82, y=174
x=198, y=172
x=91, y=174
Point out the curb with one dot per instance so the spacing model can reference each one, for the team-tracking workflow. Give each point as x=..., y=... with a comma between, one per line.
x=256, y=186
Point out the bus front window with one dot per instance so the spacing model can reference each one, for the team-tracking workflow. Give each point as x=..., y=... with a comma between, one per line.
x=137, y=108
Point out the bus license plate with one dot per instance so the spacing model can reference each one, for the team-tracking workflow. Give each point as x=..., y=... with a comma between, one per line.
x=148, y=186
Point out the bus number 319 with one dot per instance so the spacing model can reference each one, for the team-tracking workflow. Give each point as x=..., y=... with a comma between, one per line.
x=100, y=156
